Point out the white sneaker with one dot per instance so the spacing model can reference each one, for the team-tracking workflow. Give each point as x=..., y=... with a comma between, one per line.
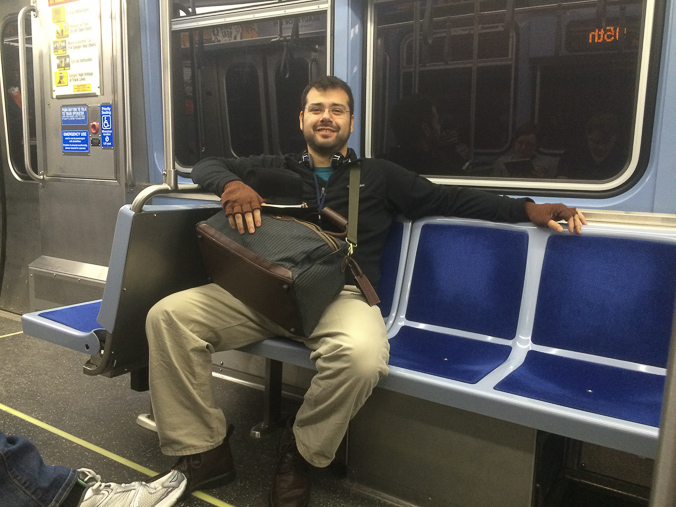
x=162, y=492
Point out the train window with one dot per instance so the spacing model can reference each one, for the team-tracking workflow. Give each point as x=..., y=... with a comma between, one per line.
x=291, y=77
x=525, y=93
x=243, y=105
x=239, y=84
x=12, y=96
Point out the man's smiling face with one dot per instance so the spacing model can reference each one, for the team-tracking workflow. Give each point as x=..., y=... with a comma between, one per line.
x=326, y=122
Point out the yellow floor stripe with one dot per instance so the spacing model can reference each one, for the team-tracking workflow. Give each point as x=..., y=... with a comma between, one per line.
x=11, y=334
x=102, y=451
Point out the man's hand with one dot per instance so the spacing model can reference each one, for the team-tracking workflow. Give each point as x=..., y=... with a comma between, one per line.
x=241, y=204
x=548, y=215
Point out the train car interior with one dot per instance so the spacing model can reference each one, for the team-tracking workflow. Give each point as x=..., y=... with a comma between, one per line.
x=495, y=395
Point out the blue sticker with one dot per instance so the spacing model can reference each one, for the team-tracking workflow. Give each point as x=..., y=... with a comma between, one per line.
x=75, y=141
x=107, y=125
x=74, y=115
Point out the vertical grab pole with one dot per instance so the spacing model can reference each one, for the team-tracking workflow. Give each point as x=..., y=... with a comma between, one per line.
x=23, y=71
x=126, y=94
x=3, y=104
x=169, y=176
x=663, y=491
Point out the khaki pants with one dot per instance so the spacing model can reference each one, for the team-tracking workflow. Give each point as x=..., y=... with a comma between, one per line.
x=349, y=348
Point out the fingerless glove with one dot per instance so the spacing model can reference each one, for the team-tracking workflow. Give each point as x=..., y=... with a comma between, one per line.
x=238, y=197
x=541, y=214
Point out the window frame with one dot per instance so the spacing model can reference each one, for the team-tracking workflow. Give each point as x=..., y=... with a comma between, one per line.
x=648, y=56
x=249, y=13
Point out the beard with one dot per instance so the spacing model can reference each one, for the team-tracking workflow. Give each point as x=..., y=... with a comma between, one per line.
x=326, y=147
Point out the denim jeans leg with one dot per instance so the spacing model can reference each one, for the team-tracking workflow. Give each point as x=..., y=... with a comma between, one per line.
x=25, y=480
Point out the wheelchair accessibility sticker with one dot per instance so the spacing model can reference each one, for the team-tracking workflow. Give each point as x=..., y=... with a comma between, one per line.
x=107, y=125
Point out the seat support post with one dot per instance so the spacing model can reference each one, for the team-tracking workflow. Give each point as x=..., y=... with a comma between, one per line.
x=272, y=401
x=139, y=380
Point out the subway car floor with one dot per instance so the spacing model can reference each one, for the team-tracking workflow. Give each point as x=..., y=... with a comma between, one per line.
x=90, y=422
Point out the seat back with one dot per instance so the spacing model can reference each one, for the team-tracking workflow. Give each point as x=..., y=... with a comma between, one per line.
x=392, y=264
x=466, y=275
x=607, y=296
x=154, y=254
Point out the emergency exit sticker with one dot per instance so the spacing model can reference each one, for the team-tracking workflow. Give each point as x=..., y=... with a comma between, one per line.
x=75, y=141
x=107, y=125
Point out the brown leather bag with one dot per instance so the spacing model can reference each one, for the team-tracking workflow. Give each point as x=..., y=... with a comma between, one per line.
x=289, y=270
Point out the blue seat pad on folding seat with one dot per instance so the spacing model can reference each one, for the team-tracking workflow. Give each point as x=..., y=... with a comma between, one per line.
x=81, y=317
x=452, y=357
x=616, y=392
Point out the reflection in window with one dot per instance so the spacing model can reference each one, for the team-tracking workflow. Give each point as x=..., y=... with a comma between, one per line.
x=240, y=86
x=291, y=77
x=244, y=109
x=478, y=82
x=10, y=72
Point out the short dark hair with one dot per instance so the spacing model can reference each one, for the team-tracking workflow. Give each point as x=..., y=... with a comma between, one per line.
x=527, y=129
x=325, y=83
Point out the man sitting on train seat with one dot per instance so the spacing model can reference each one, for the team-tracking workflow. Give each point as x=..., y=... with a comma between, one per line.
x=524, y=161
x=424, y=145
x=600, y=157
x=349, y=345
x=26, y=481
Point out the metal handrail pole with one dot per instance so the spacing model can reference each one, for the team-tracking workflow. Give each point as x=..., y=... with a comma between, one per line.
x=149, y=192
x=663, y=491
x=169, y=175
x=21, y=31
x=126, y=94
x=3, y=104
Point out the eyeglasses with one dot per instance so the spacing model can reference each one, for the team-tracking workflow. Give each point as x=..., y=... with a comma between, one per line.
x=334, y=110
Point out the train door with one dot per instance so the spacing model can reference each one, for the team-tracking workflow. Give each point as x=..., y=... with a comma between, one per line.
x=66, y=158
x=18, y=193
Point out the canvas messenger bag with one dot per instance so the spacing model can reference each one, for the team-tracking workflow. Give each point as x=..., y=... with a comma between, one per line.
x=288, y=270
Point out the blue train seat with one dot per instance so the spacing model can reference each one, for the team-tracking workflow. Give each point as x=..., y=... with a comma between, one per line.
x=154, y=254
x=602, y=330
x=464, y=297
x=391, y=267
x=563, y=333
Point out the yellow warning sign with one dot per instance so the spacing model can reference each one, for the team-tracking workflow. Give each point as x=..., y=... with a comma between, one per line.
x=76, y=46
x=61, y=78
x=62, y=31
x=60, y=47
x=63, y=62
x=58, y=14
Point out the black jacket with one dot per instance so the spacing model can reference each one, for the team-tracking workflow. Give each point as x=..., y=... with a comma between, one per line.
x=387, y=190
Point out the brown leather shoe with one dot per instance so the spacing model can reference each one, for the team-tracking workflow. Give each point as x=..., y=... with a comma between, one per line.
x=291, y=486
x=210, y=469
